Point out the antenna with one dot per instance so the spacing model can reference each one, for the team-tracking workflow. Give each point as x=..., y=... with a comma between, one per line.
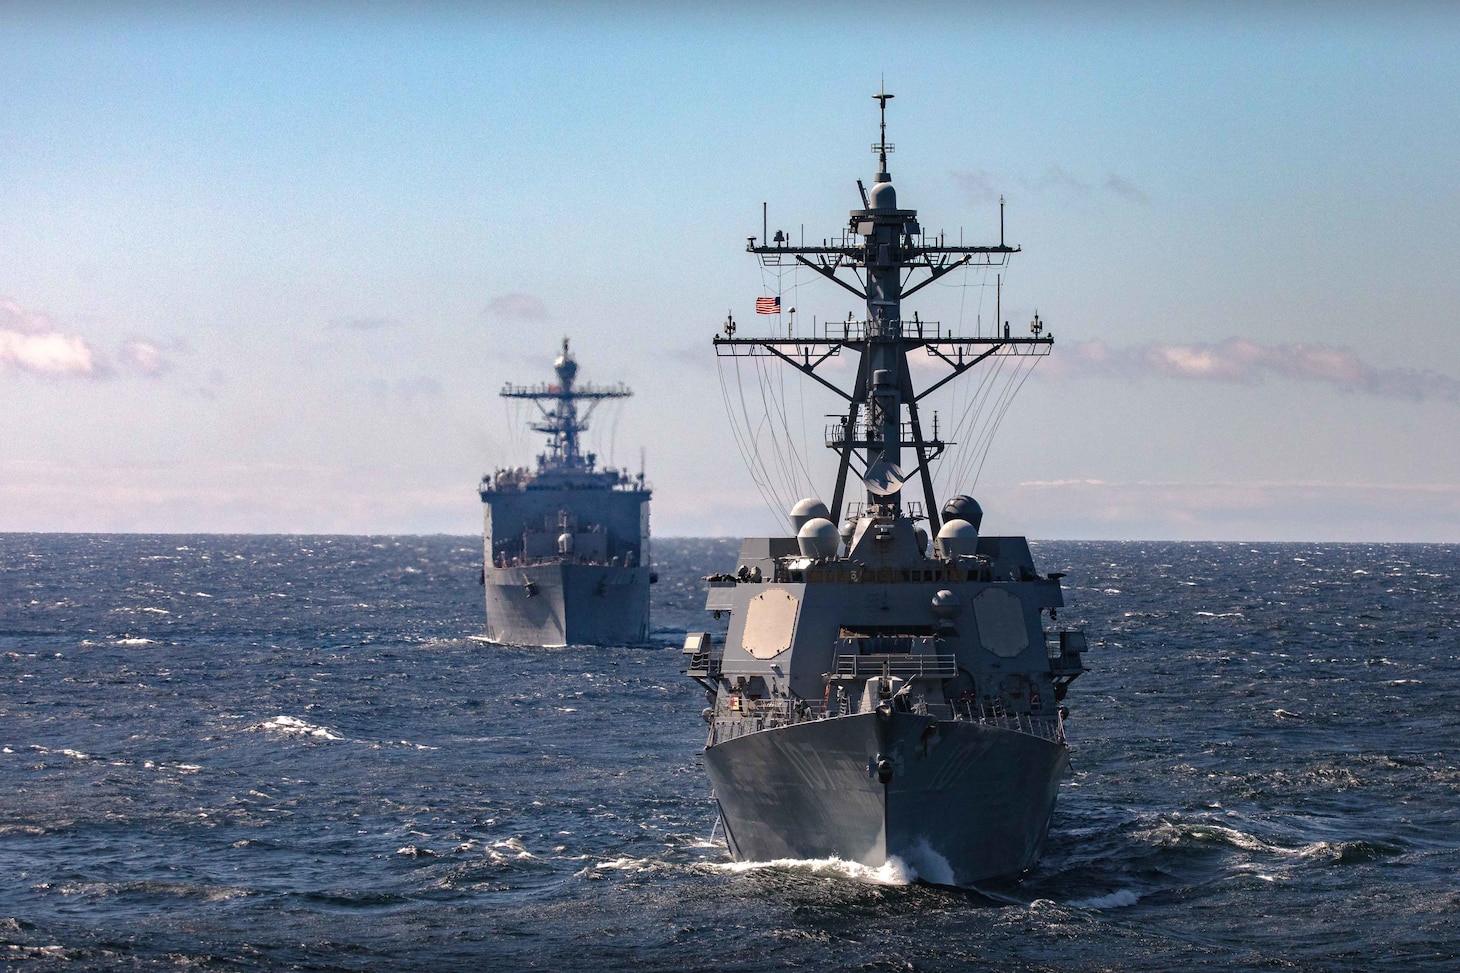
x=882, y=147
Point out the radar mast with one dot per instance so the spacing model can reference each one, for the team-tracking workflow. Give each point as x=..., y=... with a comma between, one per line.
x=887, y=248
x=558, y=404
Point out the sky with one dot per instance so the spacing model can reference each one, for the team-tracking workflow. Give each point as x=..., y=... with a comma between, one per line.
x=265, y=269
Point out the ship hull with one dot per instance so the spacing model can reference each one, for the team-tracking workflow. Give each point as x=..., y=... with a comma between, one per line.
x=567, y=604
x=962, y=803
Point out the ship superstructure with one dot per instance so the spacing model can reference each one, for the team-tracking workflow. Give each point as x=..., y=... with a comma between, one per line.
x=566, y=544
x=891, y=681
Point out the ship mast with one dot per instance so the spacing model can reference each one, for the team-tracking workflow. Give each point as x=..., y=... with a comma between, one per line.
x=560, y=420
x=885, y=247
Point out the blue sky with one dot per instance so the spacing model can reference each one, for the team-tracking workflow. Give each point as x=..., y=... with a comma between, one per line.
x=263, y=270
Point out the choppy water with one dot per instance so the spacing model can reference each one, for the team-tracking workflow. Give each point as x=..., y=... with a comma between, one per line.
x=246, y=753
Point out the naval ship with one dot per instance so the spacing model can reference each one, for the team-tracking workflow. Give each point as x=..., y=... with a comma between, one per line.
x=891, y=680
x=566, y=545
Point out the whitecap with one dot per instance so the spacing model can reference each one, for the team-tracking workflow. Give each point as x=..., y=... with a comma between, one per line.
x=136, y=642
x=1118, y=899
x=293, y=726
x=513, y=845
x=924, y=863
x=894, y=872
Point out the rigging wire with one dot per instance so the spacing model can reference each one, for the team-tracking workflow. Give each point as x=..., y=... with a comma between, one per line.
x=1033, y=363
x=743, y=435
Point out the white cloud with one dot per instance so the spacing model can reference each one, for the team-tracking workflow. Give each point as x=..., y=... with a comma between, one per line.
x=363, y=323
x=982, y=187
x=144, y=357
x=518, y=307
x=1239, y=361
x=30, y=342
x=48, y=353
x=410, y=391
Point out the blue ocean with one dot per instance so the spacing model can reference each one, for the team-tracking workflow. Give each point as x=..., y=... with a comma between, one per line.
x=290, y=753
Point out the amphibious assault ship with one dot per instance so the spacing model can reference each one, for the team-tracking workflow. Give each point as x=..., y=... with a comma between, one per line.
x=891, y=680
x=566, y=545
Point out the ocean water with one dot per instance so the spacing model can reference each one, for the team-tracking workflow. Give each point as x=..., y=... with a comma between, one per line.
x=259, y=753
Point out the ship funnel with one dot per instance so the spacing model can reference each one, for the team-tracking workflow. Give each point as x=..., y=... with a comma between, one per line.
x=808, y=509
x=957, y=538
x=817, y=538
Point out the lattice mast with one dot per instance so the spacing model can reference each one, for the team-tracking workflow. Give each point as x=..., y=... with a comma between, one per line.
x=885, y=247
x=560, y=420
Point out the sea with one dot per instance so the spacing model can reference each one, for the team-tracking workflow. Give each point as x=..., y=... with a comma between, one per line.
x=245, y=753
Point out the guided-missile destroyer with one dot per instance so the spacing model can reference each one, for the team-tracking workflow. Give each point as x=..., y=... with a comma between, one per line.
x=566, y=546
x=891, y=680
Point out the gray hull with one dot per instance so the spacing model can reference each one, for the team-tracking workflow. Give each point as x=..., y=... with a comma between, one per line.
x=964, y=802
x=568, y=604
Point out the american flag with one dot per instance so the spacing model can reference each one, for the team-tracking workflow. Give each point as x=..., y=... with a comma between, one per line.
x=767, y=305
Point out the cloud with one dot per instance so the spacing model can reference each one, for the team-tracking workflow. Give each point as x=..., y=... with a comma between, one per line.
x=31, y=343
x=517, y=307
x=363, y=323
x=1239, y=361
x=144, y=357
x=410, y=391
x=982, y=186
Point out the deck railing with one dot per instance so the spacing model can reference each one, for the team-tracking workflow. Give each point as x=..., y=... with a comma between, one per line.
x=754, y=715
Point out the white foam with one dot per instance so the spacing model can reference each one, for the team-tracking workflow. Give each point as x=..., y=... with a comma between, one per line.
x=1118, y=899
x=292, y=726
x=894, y=872
x=925, y=863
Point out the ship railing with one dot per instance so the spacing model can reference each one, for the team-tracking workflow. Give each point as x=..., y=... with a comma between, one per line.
x=902, y=665
x=1051, y=728
x=754, y=715
x=857, y=509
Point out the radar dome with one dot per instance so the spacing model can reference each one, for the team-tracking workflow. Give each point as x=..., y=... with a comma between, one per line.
x=566, y=368
x=946, y=604
x=883, y=196
x=808, y=509
x=920, y=534
x=817, y=538
x=957, y=538
x=964, y=507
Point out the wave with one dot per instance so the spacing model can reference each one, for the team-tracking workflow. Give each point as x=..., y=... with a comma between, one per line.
x=895, y=872
x=293, y=726
x=1118, y=899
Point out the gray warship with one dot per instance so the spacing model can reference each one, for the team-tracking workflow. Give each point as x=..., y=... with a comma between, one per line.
x=891, y=680
x=566, y=558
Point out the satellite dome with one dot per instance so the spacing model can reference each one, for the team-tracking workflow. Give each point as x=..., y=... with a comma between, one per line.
x=920, y=534
x=946, y=604
x=808, y=509
x=883, y=196
x=566, y=368
x=964, y=507
x=957, y=538
x=817, y=538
